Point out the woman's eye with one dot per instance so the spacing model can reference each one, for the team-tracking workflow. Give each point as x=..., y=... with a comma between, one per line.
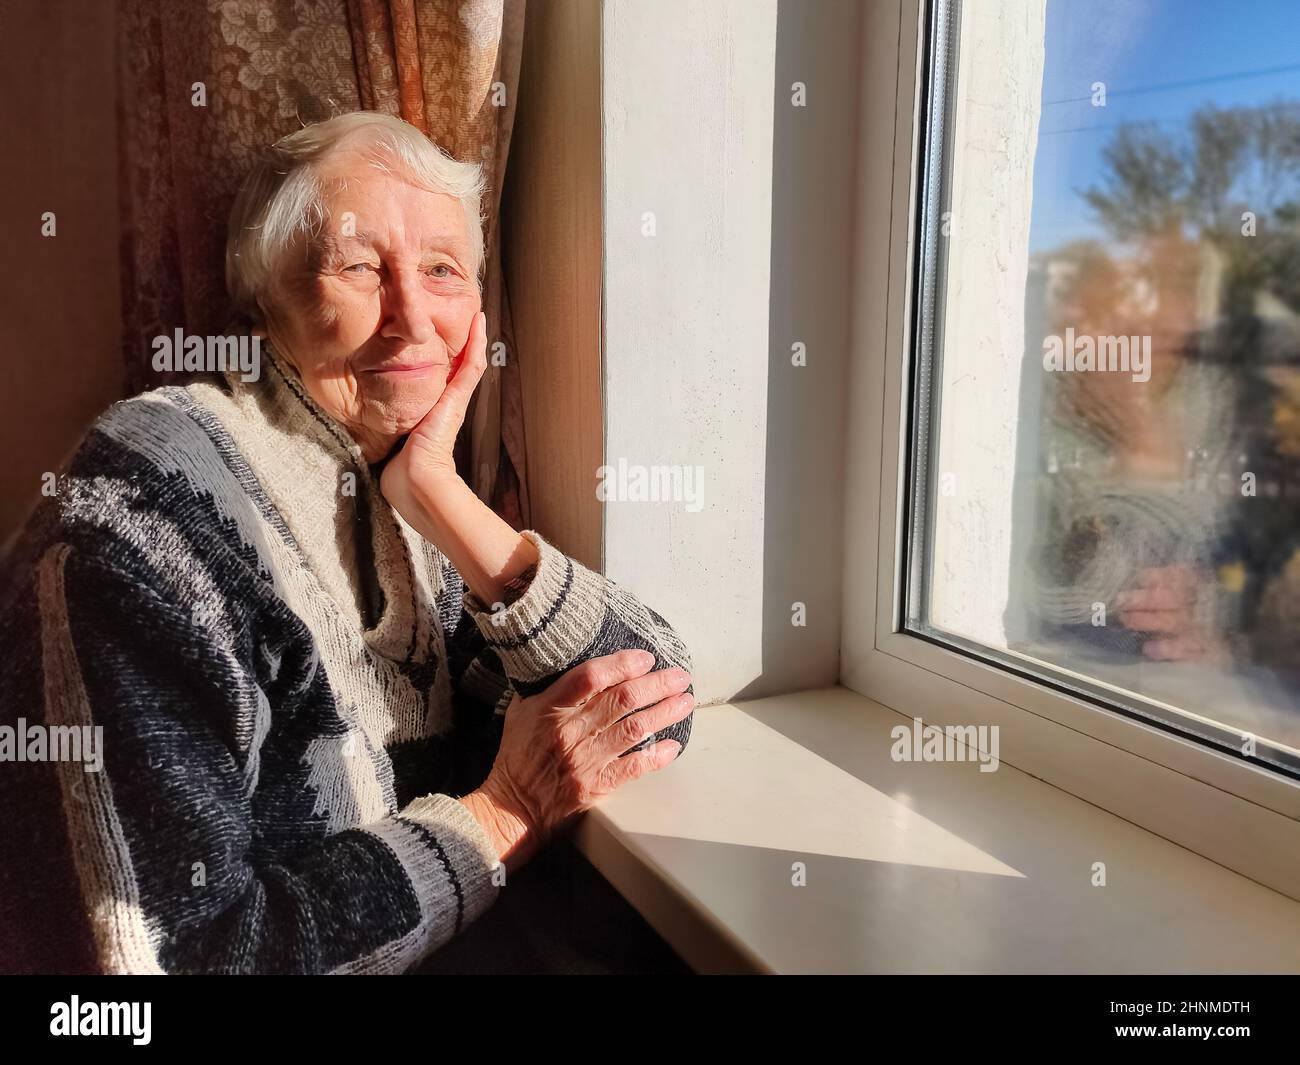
x=357, y=268
x=446, y=271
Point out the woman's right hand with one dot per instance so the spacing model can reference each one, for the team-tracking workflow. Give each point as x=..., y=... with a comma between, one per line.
x=561, y=749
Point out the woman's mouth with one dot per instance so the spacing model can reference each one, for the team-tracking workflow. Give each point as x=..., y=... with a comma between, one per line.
x=412, y=370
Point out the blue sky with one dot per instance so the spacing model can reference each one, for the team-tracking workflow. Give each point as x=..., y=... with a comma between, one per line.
x=1138, y=47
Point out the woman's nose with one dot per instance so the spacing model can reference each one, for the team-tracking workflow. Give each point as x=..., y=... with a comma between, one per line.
x=407, y=308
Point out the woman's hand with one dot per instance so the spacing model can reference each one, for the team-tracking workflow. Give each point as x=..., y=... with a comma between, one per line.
x=561, y=748
x=421, y=484
x=427, y=461
x=1163, y=605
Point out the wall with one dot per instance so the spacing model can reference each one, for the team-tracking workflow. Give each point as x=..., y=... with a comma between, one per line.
x=60, y=330
x=688, y=165
x=815, y=189
x=995, y=138
x=752, y=200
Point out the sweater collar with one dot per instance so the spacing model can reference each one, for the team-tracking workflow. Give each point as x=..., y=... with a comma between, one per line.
x=361, y=550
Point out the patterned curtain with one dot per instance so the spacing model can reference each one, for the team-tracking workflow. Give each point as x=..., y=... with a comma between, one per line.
x=204, y=84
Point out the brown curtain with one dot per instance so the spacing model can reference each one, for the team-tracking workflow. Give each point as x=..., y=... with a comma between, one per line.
x=204, y=85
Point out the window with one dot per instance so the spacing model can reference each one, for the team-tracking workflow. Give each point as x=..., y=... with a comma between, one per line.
x=1103, y=491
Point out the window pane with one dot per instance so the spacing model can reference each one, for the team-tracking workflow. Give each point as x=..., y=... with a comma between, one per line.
x=1105, y=488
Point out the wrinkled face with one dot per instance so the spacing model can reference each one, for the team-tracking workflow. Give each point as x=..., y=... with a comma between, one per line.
x=374, y=312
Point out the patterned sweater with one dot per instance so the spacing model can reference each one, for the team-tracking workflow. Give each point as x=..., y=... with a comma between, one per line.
x=289, y=687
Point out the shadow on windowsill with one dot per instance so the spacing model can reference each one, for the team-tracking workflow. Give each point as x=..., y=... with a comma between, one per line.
x=558, y=916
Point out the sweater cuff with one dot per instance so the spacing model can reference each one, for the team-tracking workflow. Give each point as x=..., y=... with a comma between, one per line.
x=449, y=861
x=551, y=624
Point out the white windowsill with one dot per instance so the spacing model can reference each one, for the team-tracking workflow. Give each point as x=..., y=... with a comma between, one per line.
x=910, y=867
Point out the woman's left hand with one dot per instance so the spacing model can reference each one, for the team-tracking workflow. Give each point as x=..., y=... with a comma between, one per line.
x=1163, y=605
x=427, y=459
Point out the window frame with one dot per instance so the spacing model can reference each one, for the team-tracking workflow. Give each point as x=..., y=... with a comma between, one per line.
x=1243, y=815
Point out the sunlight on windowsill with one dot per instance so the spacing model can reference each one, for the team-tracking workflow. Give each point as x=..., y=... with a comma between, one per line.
x=780, y=795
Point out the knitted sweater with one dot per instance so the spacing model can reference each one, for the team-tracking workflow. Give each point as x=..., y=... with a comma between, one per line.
x=288, y=686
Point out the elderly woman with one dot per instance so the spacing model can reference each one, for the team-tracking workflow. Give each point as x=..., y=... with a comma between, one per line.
x=338, y=699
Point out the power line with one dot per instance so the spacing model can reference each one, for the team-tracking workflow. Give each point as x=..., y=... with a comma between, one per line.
x=1262, y=72
x=1162, y=120
x=1170, y=120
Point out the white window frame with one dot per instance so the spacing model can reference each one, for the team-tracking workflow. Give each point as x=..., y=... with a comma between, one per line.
x=1239, y=814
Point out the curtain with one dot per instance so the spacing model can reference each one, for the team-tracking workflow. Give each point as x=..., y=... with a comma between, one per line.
x=205, y=84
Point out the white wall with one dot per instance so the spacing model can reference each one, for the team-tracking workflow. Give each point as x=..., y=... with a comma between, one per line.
x=995, y=138
x=753, y=199
x=688, y=91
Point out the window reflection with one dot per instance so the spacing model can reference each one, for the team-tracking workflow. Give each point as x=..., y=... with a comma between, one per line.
x=1168, y=508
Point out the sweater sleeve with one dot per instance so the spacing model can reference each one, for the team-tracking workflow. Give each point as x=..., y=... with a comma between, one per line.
x=185, y=865
x=567, y=615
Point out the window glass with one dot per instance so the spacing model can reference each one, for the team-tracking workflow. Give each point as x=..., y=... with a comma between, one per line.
x=1105, y=445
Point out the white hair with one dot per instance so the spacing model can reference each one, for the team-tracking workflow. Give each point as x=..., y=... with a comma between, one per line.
x=281, y=199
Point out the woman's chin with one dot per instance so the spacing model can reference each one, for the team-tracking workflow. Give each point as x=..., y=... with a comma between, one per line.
x=406, y=407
